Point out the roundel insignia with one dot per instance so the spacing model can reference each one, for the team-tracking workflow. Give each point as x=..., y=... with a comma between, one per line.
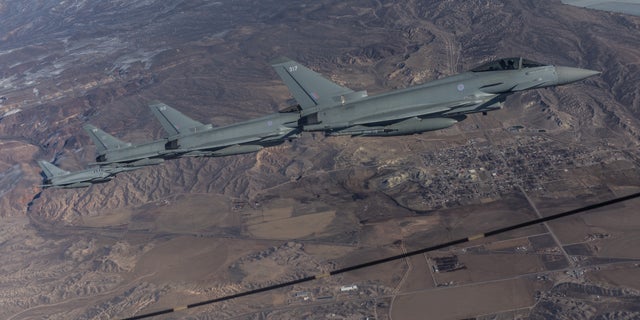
x=460, y=87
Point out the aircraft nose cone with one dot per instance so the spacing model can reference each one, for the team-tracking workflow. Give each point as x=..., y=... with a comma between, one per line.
x=569, y=75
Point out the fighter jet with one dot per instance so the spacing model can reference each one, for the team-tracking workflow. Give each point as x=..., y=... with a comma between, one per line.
x=190, y=138
x=434, y=105
x=58, y=178
x=111, y=151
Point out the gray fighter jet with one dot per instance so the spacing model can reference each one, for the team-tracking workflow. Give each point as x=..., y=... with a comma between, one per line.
x=190, y=138
x=58, y=178
x=111, y=151
x=336, y=110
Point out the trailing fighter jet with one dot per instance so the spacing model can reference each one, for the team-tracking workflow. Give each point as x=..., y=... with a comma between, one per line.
x=58, y=178
x=336, y=110
x=111, y=151
x=190, y=138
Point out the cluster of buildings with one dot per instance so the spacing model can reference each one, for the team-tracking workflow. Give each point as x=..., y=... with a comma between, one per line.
x=477, y=172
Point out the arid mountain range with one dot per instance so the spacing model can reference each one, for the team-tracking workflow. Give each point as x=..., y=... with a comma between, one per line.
x=193, y=229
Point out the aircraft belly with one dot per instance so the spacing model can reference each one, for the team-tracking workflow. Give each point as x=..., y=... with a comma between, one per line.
x=208, y=144
x=238, y=149
x=145, y=162
x=73, y=178
x=127, y=155
x=387, y=115
x=268, y=131
x=76, y=185
x=391, y=116
x=422, y=102
x=130, y=159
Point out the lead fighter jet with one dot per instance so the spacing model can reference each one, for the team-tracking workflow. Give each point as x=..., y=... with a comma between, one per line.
x=336, y=110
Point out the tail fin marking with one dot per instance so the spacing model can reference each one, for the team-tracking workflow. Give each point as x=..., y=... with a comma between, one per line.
x=307, y=87
x=174, y=122
x=103, y=140
x=51, y=170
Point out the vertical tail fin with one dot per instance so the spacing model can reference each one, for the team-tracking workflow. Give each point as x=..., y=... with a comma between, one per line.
x=307, y=87
x=103, y=140
x=174, y=122
x=51, y=170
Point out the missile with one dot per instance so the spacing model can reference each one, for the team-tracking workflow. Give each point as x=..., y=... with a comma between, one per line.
x=409, y=126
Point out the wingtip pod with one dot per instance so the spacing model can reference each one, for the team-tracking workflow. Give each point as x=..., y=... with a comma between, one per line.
x=77, y=185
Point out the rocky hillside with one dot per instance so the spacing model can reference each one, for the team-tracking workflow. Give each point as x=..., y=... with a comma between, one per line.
x=194, y=229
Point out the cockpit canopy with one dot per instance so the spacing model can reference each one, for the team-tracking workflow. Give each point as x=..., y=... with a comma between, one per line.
x=507, y=64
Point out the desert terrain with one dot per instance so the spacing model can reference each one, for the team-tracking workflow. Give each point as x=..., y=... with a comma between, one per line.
x=195, y=229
